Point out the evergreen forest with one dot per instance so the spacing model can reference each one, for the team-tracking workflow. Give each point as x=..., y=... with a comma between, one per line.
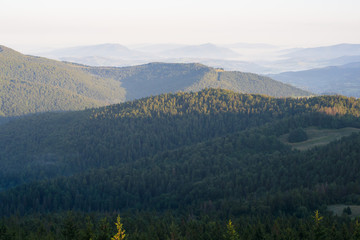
x=208, y=164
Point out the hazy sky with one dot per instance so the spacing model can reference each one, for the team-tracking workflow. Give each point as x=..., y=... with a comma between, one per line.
x=31, y=24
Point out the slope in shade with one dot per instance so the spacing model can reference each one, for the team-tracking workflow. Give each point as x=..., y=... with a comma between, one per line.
x=57, y=144
x=225, y=172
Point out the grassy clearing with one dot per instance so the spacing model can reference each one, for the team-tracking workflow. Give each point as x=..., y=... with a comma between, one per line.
x=318, y=137
x=338, y=209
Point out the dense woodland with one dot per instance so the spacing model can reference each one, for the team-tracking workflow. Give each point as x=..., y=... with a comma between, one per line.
x=180, y=166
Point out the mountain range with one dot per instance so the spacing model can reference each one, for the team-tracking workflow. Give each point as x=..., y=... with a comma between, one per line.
x=327, y=52
x=34, y=84
x=271, y=59
x=257, y=58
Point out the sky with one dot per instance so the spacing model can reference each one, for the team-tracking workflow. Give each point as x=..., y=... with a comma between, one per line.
x=47, y=24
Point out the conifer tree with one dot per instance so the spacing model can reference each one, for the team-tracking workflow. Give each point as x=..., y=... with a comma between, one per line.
x=231, y=233
x=120, y=235
x=69, y=229
x=319, y=232
x=356, y=234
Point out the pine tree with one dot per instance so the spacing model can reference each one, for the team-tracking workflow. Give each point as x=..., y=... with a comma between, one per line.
x=69, y=229
x=120, y=235
x=231, y=233
x=319, y=232
x=356, y=234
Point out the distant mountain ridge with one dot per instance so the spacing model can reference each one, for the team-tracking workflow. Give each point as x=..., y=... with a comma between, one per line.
x=34, y=84
x=343, y=79
x=118, y=55
x=108, y=50
x=207, y=50
x=248, y=57
x=157, y=78
x=327, y=52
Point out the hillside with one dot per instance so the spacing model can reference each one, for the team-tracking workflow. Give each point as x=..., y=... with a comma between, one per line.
x=180, y=163
x=32, y=84
x=225, y=173
x=342, y=80
x=58, y=144
x=156, y=78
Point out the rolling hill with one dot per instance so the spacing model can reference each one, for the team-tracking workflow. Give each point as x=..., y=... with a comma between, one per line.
x=32, y=84
x=157, y=78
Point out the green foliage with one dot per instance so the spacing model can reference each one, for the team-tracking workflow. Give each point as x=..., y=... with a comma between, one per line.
x=297, y=135
x=356, y=233
x=120, y=235
x=87, y=233
x=178, y=165
x=162, y=152
x=103, y=230
x=231, y=233
x=145, y=227
x=319, y=231
x=69, y=230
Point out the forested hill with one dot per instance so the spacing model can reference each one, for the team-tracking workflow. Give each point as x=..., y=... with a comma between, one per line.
x=55, y=144
x=214, y=150
x=189, y=160
x=31, y=84
x=156, y=78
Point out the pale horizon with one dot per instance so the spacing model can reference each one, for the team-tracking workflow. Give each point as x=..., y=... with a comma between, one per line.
x=39, y=24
